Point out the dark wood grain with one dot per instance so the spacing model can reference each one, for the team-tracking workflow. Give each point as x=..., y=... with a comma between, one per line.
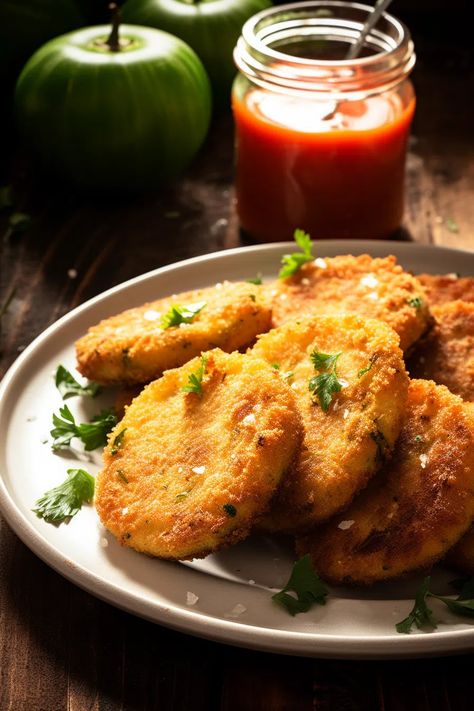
x=60, y=648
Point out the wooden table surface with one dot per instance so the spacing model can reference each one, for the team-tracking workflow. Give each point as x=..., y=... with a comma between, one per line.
x=61, y=648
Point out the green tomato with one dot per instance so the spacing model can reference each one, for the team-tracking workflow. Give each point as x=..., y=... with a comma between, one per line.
x=210, y=27
x=128, y=119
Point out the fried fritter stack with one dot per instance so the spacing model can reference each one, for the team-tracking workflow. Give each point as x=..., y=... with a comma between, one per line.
x=375, y=481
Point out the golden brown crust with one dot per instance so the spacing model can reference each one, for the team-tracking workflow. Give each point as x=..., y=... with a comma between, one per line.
x=416, y=508
x=184, y=458
x=447, y=354
x=441, y=288
x=376, y=288
x=342, y=448
x=133, y=348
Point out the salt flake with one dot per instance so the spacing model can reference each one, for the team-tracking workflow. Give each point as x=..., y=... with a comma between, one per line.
x=344, y=525
x=191, y=598
x=236, y=611
x=151, y=315
x=249, y=419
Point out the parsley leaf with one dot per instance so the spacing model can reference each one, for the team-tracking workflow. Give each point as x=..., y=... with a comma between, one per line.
x=465, y=608
x=451, y=225
x=325, y=385
x=230, y=510
x=118, y=442
x=324, y=361
x=64, y=501
x=195, y=379
x=181, y=314
x=92, y=434
x=293, y=262
x=421, y=615
x=256, y=280
x=368, y=368
x=416, y=302
x=307, y=585
x=69, y=387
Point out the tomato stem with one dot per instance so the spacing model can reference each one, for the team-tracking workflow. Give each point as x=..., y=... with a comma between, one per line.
x=113, y=40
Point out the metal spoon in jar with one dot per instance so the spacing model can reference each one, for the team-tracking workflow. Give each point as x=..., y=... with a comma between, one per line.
x=379, y=8
x=354, y=50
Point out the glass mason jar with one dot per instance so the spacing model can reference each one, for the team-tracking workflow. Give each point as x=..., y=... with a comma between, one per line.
x=320, y=139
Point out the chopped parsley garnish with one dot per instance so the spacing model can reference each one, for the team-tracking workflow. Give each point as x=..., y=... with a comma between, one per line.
x=307, y=586
x=276, y=366
x=195, y=379
x=422, y=616
x=416, y=302
x=17, y=222
x=293, y=262
x=69, y=387
x=288, y=375
x=64, y=501
x=230, y=510
x=256, y=280
x=181, y=314
x=92, y=434
x=121, y=475
x=325, y=385
x=118, y=442
x=182, y=495
x=452, y=225
x=419, y=438
x=363, y=371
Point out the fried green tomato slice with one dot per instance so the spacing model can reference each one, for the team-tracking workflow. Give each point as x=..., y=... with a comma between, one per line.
x=188, y=471
x=441, y=288
x=344, y=445
x=137, y=345
x=376, y=288
x=413, y=511
x=447, y=354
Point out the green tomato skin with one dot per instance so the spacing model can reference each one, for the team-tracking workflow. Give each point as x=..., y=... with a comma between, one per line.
x=210, y=27
x=128, y=120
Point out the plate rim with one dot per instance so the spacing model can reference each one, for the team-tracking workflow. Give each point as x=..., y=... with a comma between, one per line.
x=201, y=624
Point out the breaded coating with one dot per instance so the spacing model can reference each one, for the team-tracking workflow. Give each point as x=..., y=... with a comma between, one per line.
x=344, y=446
x=132, y=347
x=441, y=288
x=447, y=354
x=187, y=472
x=461, y=556
x=377, y=288
x=416, y=508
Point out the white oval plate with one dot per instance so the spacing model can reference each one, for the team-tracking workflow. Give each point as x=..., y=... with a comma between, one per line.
x=354, y=623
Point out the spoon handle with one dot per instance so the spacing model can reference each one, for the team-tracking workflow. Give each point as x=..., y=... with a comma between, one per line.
x=379, y=8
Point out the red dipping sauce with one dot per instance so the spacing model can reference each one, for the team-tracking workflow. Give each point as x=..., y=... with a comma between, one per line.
x=321, y=143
